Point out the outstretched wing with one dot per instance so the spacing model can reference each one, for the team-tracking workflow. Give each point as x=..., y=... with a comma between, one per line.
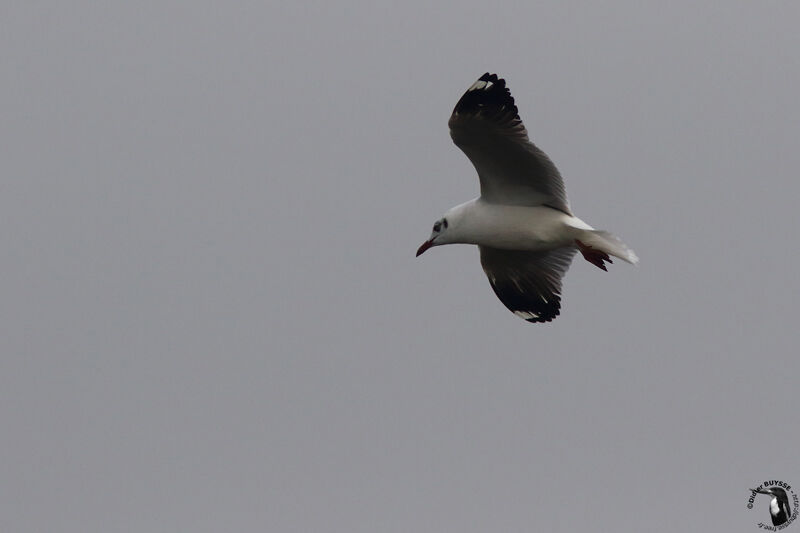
x=485, y=125
x=528, y=283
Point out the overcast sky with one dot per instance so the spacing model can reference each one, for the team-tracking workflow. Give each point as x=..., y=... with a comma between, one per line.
x=212, y=316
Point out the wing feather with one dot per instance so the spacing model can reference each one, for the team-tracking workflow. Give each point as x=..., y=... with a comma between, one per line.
x=485, y=125
x=528, y=283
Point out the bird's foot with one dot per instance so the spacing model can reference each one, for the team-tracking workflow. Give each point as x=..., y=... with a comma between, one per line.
x=593, y=255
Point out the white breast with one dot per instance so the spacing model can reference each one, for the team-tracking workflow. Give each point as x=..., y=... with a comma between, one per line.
x=516, y=227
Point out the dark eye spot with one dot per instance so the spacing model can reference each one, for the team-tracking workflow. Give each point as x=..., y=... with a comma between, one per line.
x=437, y=226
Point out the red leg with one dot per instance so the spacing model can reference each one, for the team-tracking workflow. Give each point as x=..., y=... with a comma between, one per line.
x=593, y=255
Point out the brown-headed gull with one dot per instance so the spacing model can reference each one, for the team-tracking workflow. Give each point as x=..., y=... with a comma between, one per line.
x=522, y=223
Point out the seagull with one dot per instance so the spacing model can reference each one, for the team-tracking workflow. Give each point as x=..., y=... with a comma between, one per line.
x=521, y=222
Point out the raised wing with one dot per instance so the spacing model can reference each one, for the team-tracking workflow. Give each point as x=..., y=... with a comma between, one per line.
x=485, y=124
x=528, y=283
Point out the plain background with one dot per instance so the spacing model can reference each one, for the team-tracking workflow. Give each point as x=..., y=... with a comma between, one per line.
x=213, y=319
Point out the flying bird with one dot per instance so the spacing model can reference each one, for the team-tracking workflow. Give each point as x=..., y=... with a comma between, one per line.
x=521, y=222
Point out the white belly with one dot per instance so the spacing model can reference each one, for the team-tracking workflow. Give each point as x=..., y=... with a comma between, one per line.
x=774, y=508
x=521, y=228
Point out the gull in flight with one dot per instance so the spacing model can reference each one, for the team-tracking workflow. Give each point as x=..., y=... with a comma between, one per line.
x=521, y=222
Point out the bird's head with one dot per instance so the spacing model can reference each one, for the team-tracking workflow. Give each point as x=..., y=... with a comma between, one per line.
x=772, y=491
x=438, y=235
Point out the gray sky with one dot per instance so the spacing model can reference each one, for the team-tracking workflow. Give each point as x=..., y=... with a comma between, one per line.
x=213, y=319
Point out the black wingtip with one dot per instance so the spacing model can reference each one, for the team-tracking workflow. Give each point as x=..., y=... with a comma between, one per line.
x=540, y=320
x=489, y=95
x=529, y=308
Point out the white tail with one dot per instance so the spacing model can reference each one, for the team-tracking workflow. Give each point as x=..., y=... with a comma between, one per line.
x=608, y=243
